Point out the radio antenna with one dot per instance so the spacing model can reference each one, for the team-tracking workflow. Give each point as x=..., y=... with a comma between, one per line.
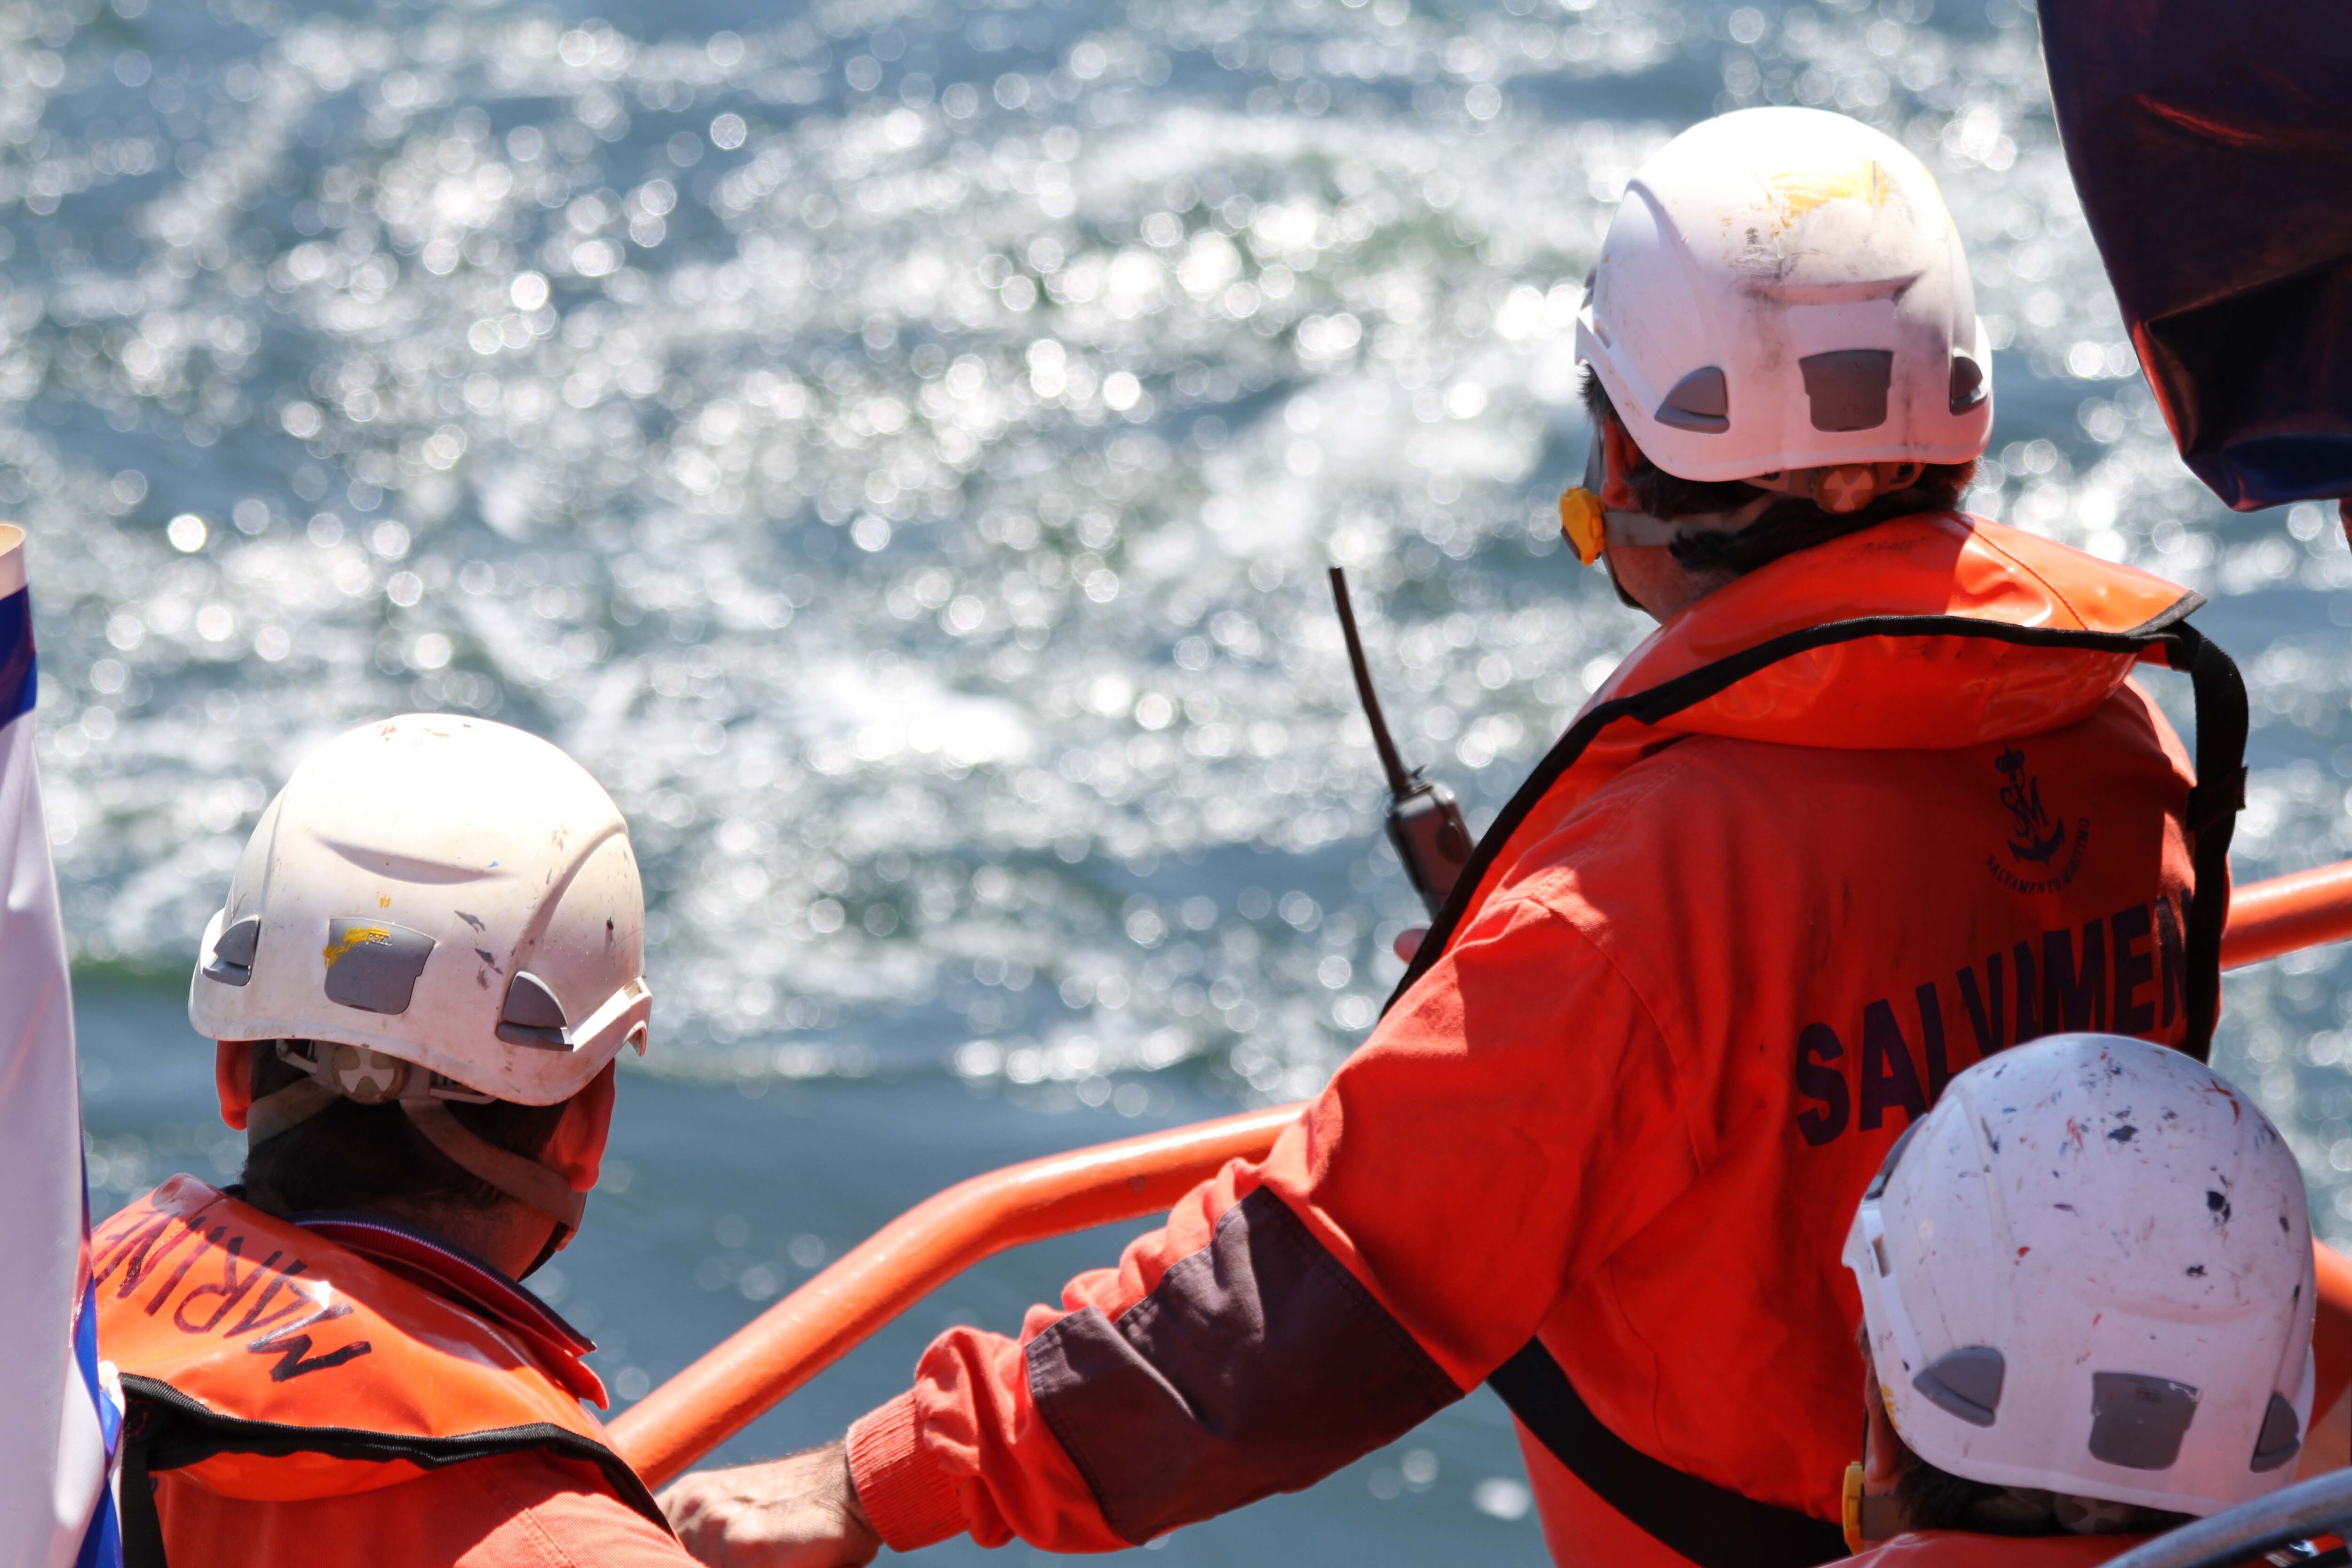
x=1424, y=820
x=1399, y=781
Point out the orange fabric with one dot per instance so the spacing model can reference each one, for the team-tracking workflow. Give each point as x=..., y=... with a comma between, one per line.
x=1956, y=1549
x=516, y=1510
x=1706, y=984
x=1922, y=693
x=233, y=1079
x=257, y=1319
x=576, y=1149
x=2331, y=1333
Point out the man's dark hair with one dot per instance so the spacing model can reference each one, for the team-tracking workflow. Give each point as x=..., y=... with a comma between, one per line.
x=1791, y=524
x=351, y=1155
x=1938, y=1500
x=1933, y=1499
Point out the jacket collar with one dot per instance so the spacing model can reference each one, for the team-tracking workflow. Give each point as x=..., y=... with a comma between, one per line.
x=450, y=1271
x=1898, y=692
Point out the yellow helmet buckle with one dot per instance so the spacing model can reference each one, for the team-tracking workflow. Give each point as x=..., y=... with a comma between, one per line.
x=1580, y=523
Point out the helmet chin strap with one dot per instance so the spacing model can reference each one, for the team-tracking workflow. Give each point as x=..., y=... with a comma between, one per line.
x=289, y=1107
x=527, y=1180
x=1839, y=489
x=371, y=1078
x=1635, y=528
x=558, y=1238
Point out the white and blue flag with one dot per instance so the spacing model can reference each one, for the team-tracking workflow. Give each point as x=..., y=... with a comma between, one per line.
x=58, y=1426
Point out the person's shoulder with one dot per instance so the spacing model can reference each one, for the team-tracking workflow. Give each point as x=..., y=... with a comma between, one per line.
x=1726, y=773
x=1967, y=1549
x=1683, y=792
x=554, y=1512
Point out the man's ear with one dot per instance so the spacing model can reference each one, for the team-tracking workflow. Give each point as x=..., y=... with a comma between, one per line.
x=233, y=1079
x=1622, y=455
x=577, y=1151
x=1882, y=1450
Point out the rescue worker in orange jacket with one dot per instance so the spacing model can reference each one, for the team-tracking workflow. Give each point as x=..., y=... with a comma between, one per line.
x=1876, y=800
x=430, y=955
x=2088, y=1288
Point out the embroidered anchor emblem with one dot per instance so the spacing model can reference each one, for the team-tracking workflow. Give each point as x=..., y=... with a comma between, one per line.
x=2038, y=838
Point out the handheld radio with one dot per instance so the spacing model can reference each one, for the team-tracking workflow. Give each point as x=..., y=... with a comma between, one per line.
x=1424, y=821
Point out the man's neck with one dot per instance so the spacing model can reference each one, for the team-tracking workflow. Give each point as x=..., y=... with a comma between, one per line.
x=1650, y=578
x=508, y=1236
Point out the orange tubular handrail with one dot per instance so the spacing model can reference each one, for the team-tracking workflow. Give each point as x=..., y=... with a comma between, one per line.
x=816, y=1325
x=933, y=1242
x=2302, y=909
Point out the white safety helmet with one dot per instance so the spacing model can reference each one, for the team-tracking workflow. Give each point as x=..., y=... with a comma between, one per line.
x=440, y=894
x=2088, y=1271
x=1783, y=289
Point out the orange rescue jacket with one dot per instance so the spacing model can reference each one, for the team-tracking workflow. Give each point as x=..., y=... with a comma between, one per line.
x=1839, y=829
x=262, y=1361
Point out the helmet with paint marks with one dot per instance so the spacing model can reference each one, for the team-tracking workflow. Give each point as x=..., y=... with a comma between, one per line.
x=2088, y=1270
x=442, y=892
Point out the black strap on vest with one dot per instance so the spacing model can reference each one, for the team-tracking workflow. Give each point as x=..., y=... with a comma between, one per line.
x=143, y=1531
x=163, y=1429
x=1710, y=1526
x=1705, y=1524
x=2213, y=807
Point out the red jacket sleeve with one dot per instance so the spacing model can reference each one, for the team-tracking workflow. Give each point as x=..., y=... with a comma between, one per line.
x=1506, y=1124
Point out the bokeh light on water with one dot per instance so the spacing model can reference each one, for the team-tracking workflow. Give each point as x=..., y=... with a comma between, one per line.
x=896, y=446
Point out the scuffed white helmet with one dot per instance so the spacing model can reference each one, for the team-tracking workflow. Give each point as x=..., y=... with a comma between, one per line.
x=2088, y=1270
x=443, y=892
x=1782, y=289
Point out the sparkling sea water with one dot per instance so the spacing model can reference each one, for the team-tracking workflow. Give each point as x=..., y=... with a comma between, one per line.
x=896, y=444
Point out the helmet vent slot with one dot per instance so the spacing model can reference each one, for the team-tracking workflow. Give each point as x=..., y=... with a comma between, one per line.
x=1965, y=1383
x=1968, y=383
x=533, y=1015
x=1848, y=387
x=232, y=960
x=2281, y=1435
x=372, y=965
x=2138, y=1421
x=1700, y=401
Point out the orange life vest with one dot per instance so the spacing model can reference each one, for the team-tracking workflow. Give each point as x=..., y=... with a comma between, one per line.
x=1798, y=863
x=2017, y=636
x=1784, y=656
x=262, y=1361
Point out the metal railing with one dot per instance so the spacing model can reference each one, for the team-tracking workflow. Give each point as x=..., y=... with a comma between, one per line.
x=2320, y=1506
x=781, y=1350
